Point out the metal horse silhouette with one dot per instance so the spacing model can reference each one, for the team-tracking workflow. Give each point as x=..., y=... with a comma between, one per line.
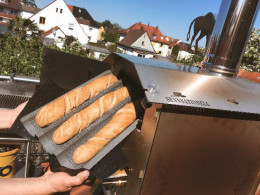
x=205, y=24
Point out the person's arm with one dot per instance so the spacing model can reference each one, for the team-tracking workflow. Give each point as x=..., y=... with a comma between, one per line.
x=7, y=117
x=48, y=184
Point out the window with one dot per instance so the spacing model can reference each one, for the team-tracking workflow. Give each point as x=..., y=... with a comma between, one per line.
x=89, y=38
x=90, y=29
x=79, y=10
x=1, y=9
x=71, y=26
x=57, y=9
x=42, y=20
x=1, y=19
x=61, y=11
x=161, y=45
x=2, y=1
x=9, y=1
x=142, y=43
x=154, y=36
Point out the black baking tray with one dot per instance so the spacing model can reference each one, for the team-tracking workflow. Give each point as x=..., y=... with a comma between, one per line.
x=64, y=152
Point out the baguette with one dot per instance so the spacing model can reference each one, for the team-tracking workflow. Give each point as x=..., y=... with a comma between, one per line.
x=64, y=104
x=120, y=121
x=85, y=117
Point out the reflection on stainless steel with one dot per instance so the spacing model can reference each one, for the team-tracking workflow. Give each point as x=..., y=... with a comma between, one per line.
x=230, y=35
x=202, y=155
x=137, y=148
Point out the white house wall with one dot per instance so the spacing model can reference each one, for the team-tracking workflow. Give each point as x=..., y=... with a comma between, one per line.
x=62, y=20
x=92, y=32
x=26, y=14
x=144, y=43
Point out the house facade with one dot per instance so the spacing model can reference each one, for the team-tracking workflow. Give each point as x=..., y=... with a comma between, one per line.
x=162, y=44
x=9, y=10
x=58, y=14
x=85, y=20
x=137, y=43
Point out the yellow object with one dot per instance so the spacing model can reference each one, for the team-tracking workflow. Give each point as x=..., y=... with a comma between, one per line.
x=7, y=163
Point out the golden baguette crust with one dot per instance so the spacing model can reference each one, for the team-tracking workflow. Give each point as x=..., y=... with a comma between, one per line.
x=85, y=117
x=120, y=121
x=64, y=104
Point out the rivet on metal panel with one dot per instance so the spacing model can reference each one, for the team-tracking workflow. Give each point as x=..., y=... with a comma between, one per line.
x=141, y=174
x=232, y=100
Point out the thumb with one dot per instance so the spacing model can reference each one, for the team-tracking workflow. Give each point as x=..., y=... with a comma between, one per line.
x=79, y=178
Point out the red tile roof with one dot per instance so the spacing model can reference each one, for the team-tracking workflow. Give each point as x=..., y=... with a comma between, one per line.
x=70, y=7
x=46, y=33
x=154, y=33
x=252, y=76
x=82, y=21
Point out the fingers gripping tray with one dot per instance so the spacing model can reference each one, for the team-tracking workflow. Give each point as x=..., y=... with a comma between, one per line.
x=64, y=152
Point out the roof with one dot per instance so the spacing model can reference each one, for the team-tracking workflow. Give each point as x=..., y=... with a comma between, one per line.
x=13, y=4
x=82, y=21
x=46, y=33
x=252, y=76
x=154, y=33
x=98, y=49
x=131, y=37
x=82, y=14
x=30, y=9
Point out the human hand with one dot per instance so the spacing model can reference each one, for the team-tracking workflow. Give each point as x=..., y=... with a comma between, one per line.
x=63, y=182
x=16, y=112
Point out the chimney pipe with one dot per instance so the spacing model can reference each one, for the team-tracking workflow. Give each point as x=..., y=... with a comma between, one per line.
x=230, y=35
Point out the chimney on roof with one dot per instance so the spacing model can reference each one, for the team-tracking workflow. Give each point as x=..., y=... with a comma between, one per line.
x=140, y=23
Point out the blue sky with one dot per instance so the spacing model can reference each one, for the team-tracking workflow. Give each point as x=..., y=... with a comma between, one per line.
x=173, y=17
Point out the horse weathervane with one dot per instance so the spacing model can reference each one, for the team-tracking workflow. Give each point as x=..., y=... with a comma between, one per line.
x=204, y=25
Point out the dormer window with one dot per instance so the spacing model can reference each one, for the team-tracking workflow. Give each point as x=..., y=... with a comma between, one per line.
x=154, y=36
x=162, y=38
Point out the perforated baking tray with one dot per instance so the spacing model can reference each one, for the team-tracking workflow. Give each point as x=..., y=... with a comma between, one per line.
x=64, y=152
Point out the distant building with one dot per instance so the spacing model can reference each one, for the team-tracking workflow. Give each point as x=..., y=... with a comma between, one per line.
x=9, y=9
x=162, y=44
x=137, y=43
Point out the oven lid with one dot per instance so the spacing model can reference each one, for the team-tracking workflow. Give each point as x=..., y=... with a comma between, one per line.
x=168, y=83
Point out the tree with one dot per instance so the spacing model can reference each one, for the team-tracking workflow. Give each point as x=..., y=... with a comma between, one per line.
x=109, y=36
x=107, y=24
x=251, y=58
x=22, y=28
x=29, y=2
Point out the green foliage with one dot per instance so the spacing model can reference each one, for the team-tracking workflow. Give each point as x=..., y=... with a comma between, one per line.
x=194, y=60
x=71, y=45
x=107, y=24
x=22, y=28
x=251, y=58
x=29, y=2
x=110, y=36
x=24, y=56
x=23, y=53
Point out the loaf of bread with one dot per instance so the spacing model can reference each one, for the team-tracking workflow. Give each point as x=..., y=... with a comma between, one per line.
x=120, y=121
x=85, y=117
x=66, y=103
